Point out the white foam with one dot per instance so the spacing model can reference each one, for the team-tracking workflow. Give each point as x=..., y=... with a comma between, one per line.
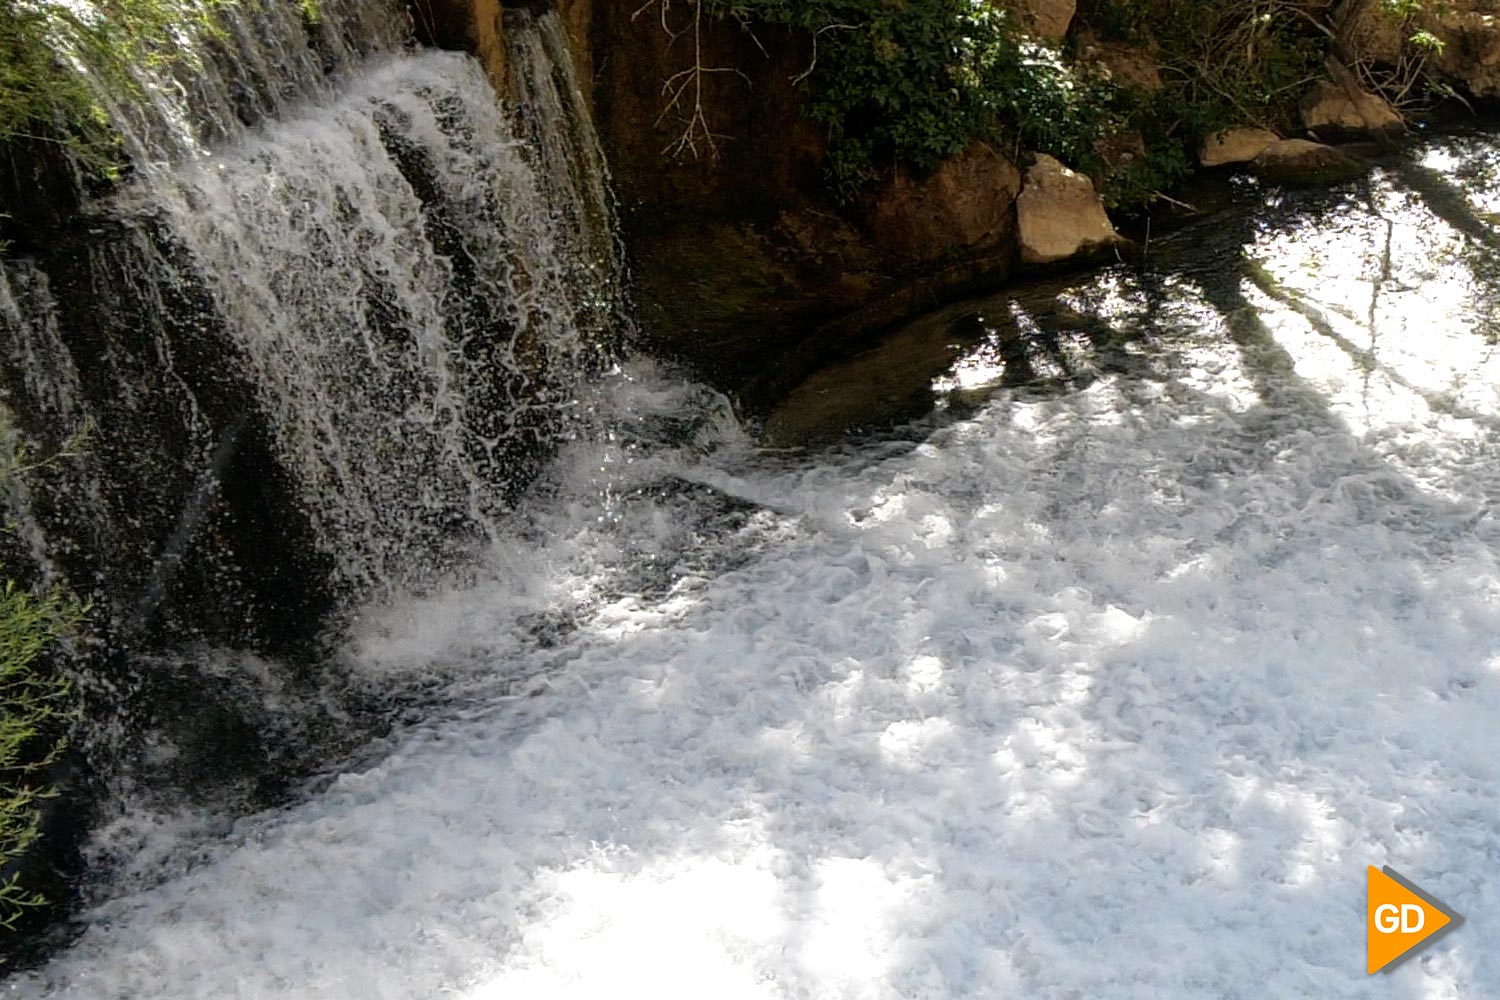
x=1112, y=693
x=1080, y=697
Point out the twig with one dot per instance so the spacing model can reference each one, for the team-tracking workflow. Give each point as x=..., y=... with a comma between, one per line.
x=683, y=90
x=1173, y=201
x=697, y=137
x=816, y=35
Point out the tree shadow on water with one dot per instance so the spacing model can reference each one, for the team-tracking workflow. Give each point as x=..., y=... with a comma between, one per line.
x=1109, y=691
x=1131, y=725
x=1127, y=720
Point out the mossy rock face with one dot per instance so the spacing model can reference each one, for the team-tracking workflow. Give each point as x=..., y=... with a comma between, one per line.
x=754, y=306
x=1300, y=161
x=727, y=296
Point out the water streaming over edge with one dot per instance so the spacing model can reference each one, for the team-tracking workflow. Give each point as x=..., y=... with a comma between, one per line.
x=330, y=325
x=397, y=288
x=1109, y=683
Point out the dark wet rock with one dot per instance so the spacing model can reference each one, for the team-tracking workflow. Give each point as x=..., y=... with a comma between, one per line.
x=1301, y=161
x=964, y=205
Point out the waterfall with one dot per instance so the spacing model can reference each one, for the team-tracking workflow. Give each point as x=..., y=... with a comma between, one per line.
x=97, y=371
x=390, y=271
x=259, y=59
x=330, y=324
x=564, y=149
x=29, y=337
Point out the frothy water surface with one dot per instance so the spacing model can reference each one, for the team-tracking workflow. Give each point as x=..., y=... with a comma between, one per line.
x=1110, y=684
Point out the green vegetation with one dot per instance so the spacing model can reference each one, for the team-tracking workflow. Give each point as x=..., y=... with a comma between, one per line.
x=917, y=81
x=34, y=702
x=1408, y=81
x=45, y=95
x=1222, y=63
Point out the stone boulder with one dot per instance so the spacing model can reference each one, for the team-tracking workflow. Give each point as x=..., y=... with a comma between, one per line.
x=1364, y=31
x=1300, y=161
x=964, y=205
x=1469, y=31
x=1236, y=145
x=1338, y=108
x=1471, y=46
x=1129, y=65
x=1047, y=20
x=1132, y=67
x=1059, y=214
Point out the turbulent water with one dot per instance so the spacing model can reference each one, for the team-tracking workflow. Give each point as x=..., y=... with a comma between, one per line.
x=1109, y=680
x=341, y=306
x=339, y=267
x=390, y=270
x=566, y=155
x=263, y=58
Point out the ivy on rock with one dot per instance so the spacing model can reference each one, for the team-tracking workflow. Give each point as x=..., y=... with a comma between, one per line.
x=917, y=81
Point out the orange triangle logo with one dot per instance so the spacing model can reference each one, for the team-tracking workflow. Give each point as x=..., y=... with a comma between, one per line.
x=1401, y=919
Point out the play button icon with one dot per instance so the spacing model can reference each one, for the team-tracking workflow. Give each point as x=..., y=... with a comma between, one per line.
x=1401, y=920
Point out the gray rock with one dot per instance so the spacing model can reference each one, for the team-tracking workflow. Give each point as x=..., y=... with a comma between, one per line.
x=1301, y=161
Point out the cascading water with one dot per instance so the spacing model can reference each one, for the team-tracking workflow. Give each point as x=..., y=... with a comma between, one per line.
x=1107, y=679
x=375, y=291
x=390, y=271
x=549, y=109
x=48, y=381
x=304, y=355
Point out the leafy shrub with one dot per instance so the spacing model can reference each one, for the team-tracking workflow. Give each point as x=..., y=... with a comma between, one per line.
x=1222, y=63
x=32, y=703
x=34, y=696
x=58, y=56
x=917, y=81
